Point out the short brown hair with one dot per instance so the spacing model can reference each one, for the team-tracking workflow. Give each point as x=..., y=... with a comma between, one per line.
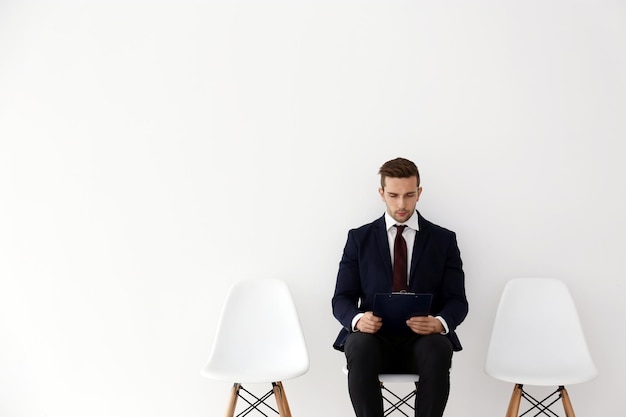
x=398, y=168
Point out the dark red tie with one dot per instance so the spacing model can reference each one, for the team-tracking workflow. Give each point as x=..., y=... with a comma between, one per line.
x=399, y=261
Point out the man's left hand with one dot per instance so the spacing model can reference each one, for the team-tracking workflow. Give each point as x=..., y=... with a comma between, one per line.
x=425, y=325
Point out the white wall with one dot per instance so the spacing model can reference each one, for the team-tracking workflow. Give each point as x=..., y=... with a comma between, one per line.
x=140, y=141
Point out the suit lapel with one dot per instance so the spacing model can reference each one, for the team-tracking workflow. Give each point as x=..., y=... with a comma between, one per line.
x=421, y=238
x=382, y=242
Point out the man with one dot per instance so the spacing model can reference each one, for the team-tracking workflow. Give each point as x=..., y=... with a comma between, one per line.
x=432, y=265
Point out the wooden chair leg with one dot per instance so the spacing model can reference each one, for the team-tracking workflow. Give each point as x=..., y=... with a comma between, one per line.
x=281, y=399
x=516, y=397
x=232, y=401
x=567, y=404
x=285, y=402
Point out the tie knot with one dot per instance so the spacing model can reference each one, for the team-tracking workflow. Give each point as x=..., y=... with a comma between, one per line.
x=400, y=227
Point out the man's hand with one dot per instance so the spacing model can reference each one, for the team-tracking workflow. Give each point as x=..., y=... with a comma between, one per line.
x=369, y=323
x=425, y=325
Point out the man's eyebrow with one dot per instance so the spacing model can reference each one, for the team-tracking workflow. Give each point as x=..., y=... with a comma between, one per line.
x=409, y=193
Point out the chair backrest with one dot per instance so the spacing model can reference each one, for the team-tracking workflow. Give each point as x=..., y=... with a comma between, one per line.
x=259, y=337
x=537, y=338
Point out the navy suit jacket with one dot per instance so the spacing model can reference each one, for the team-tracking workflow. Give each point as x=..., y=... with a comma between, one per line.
x=365, y=269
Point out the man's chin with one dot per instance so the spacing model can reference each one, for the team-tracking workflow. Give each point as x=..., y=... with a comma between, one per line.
x=401, y=218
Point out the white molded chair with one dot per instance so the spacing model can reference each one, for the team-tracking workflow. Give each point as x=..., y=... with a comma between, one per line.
x=393, y=402
x=537, y=340
x=259, y=340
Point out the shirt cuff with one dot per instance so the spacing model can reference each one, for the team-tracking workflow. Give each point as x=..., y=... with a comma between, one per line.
x=356, y=318
x=446, y=330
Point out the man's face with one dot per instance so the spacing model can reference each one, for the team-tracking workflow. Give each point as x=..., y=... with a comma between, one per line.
x=400, y=196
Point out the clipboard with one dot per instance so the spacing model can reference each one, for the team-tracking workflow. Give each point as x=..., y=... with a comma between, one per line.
x=397, y=307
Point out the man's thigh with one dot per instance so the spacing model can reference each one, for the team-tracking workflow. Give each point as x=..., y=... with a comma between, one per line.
x=397, y=354
x=371, y=350
x=425, y=352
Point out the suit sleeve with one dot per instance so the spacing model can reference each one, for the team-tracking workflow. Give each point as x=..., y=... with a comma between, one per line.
x=348, y=287
x=455, y=305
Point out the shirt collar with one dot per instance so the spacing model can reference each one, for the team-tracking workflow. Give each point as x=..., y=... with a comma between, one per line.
x=412, y=222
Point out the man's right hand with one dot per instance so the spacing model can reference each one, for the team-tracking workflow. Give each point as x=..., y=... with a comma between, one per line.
x=369, y=323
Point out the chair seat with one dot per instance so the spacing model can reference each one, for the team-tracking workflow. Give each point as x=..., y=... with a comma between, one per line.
x=257, y=376
x=392, y=378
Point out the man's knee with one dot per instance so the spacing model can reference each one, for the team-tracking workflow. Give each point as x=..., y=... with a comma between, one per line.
x=362, y=347
x=435, y=351
x=361, y=343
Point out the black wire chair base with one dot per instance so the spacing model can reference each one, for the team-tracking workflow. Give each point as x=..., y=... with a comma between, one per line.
x=539, y=407
x=259, y=404
x=397, y=403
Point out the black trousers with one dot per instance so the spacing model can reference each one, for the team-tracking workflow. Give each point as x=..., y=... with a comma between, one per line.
x=368, y=355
